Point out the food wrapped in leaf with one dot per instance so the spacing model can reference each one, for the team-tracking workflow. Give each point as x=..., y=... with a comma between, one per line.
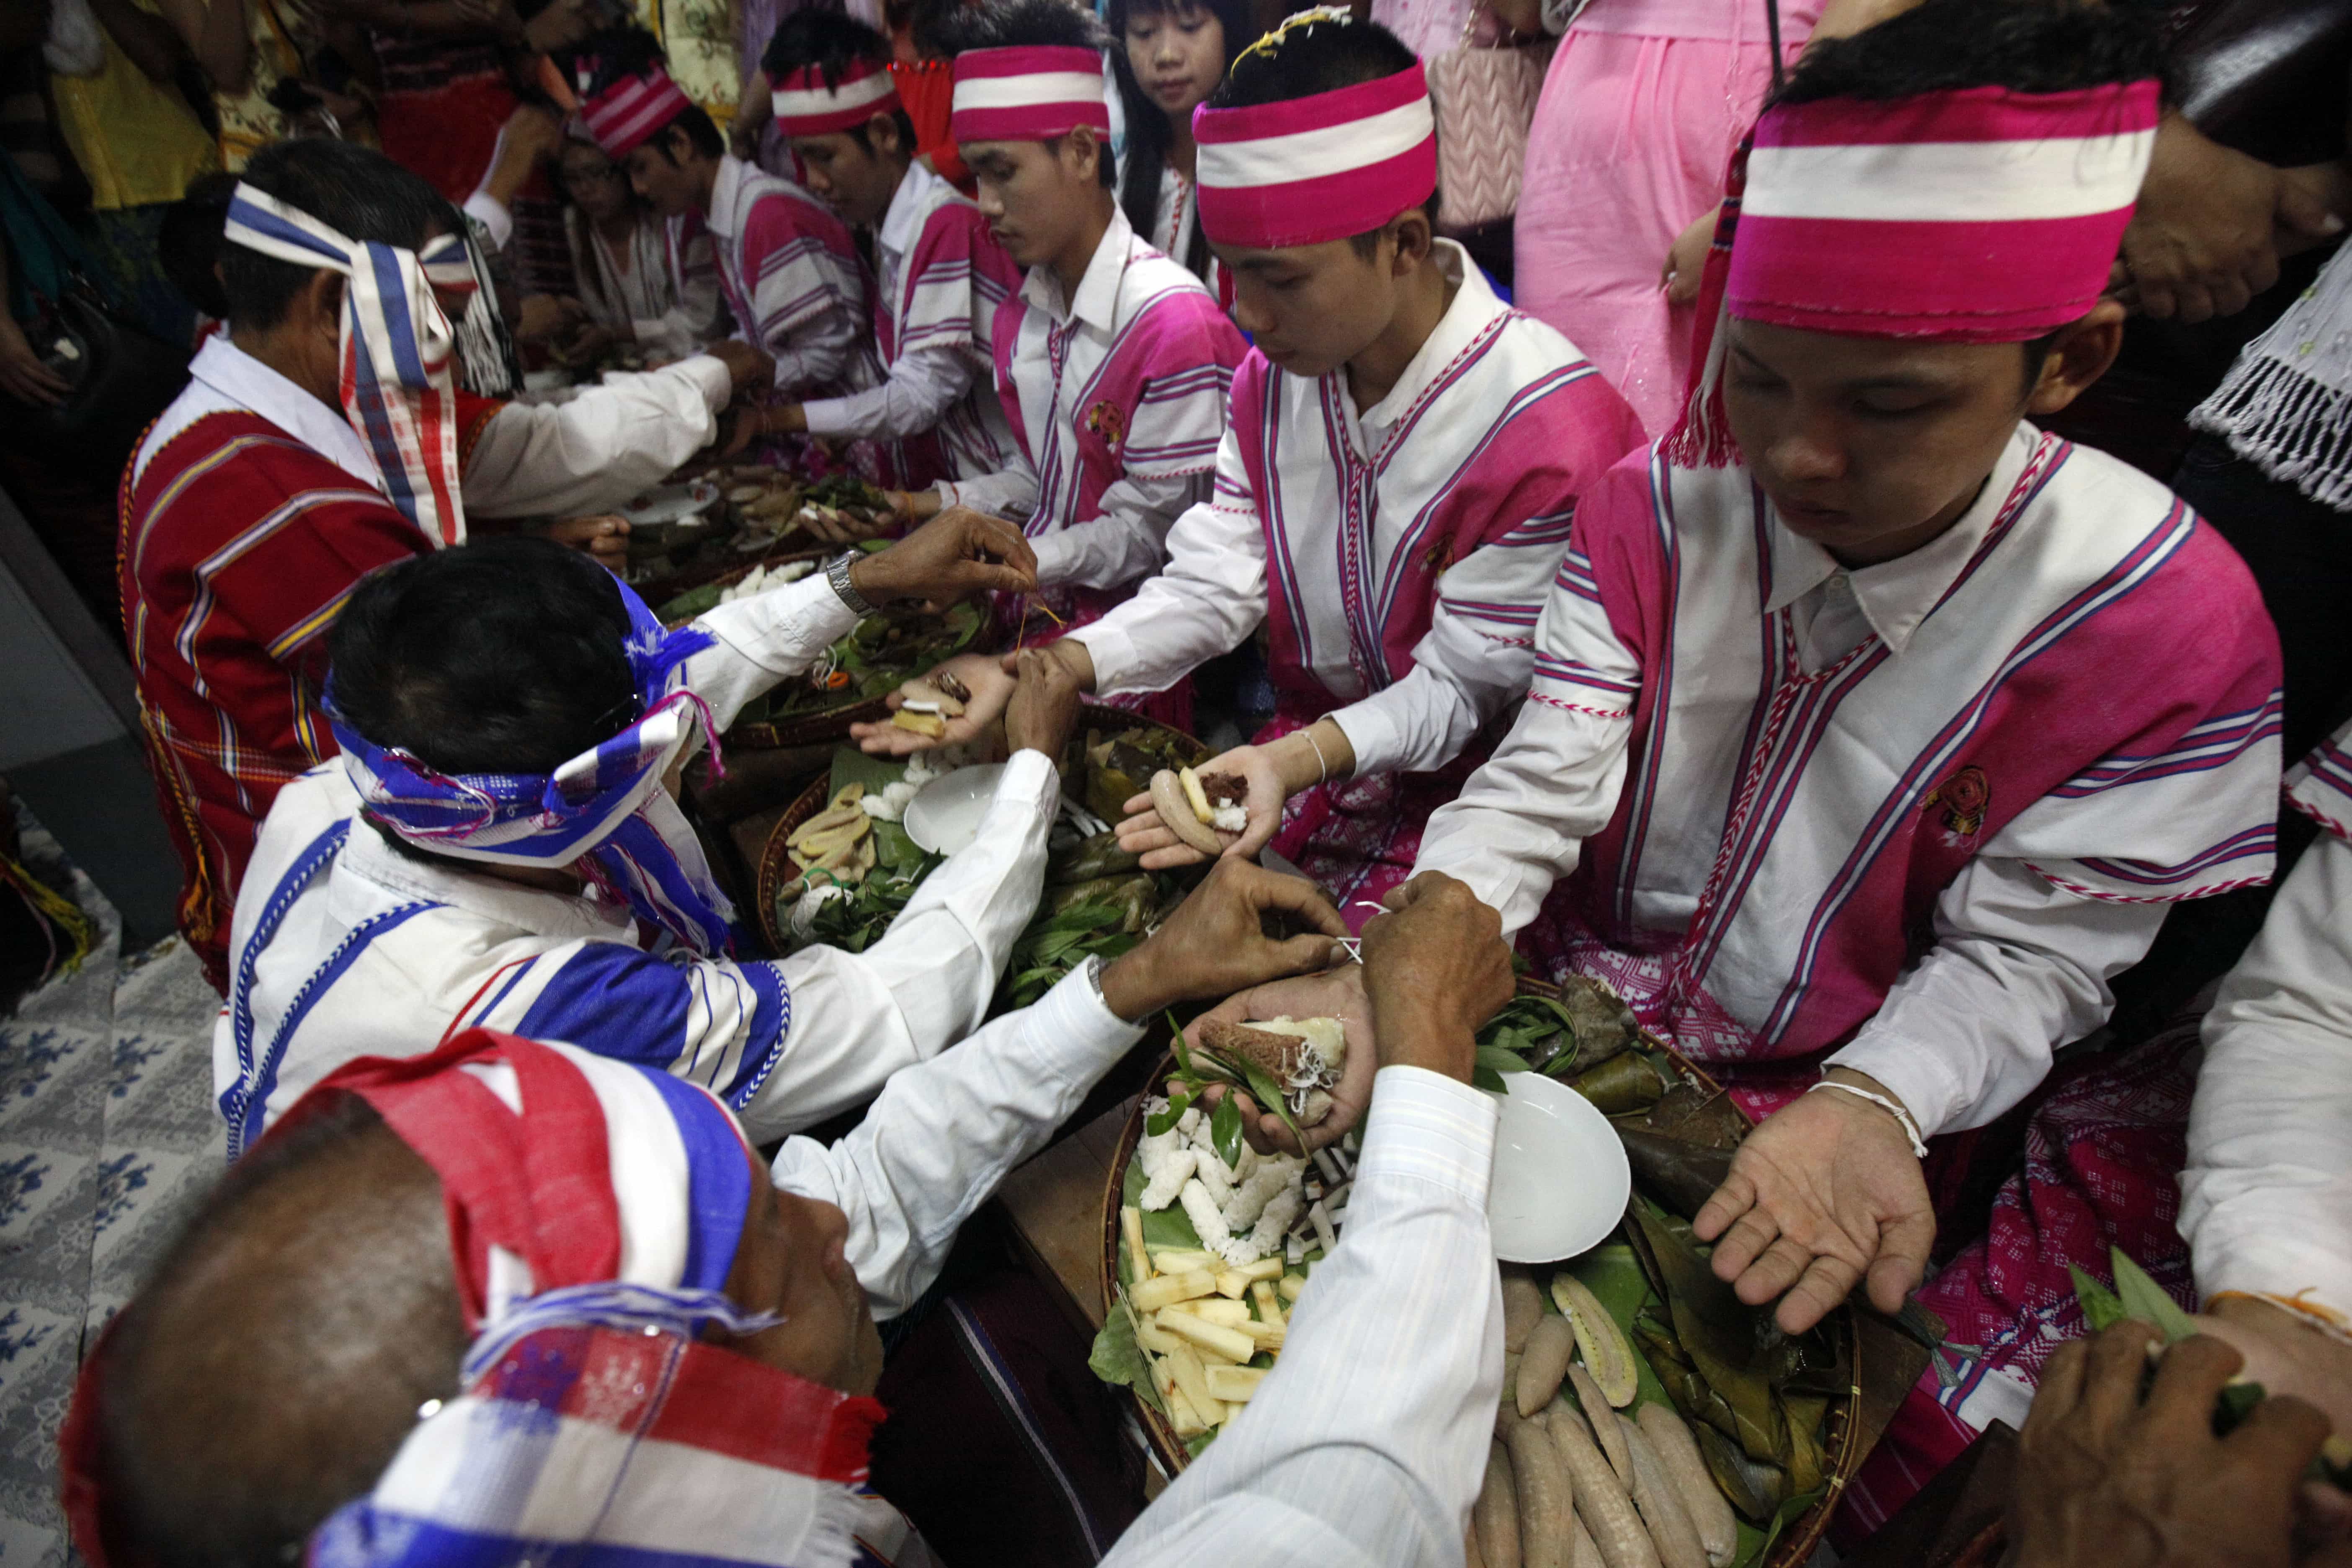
x=1680, y=1176
x=1626, y=1082
x=1303, y=1056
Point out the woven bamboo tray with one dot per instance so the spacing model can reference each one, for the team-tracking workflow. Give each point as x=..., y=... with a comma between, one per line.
x=1840, y=1432
x=775, y=867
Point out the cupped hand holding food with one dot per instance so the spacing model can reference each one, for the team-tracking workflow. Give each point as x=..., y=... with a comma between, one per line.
x=1214, y=943
x=1334, y=993
x=1824, y=1194
x=989, y=688
x=748, y=366
x=605, y=538
x=1146, y=831
x=1435, y=969
x=2106, y=1476
x=1043, y=712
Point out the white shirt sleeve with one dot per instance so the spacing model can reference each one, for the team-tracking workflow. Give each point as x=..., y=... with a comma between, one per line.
x=2019, y=967
x=1010, y=492
x=763, y=640
x=591, y=454
x=2266, y=1200
x=1367, y=1443
x=923, y=385
x=815, y=353
x=493, y=224
x=1210, y=595
x=1472, y=663
x=1128, y=537
x=858, y=1018
x=1521, y=821
x=934, y=1146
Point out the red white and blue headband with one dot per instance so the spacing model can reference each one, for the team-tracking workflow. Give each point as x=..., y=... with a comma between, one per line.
x=595, y=1209
x=1977, y=216
x=603, y=814
x=632, y=110
x=806, y=105
x=1028, y=93
x=1309, y=170
x=396, y=384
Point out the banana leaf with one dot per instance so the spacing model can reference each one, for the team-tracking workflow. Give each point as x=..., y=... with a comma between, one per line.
x=1094, y=859
x=1695, y=1115
x=1807, y=1465
x=1680, y=1176
x=2102, y=1307
x=1602, y=1022
x=1756, y=1489
x=2146, y=1301
x=1716, y=1332
x=1115, y=1357
x=691, y=603
x=1685, y=1388
x=1627, y=1081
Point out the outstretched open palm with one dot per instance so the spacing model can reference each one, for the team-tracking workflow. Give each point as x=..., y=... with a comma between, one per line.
x=1823, y=1194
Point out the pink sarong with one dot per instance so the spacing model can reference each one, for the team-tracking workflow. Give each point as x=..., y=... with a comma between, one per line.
x=1643, y=103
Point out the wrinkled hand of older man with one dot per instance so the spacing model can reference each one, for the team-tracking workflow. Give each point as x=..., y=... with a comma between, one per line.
x=1435, y=969
x=1216, y=942
x=956, y=555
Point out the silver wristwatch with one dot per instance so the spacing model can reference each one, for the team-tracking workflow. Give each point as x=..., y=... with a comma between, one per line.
x=837, y=574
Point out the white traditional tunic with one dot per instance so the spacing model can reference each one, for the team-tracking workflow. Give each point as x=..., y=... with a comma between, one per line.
x=346, y=947
x=2266, y=1200
x=1410, y=544
x=942, y=276
x=660, y=288
x=1915, y=816
x=792, y=279
x=1116, y=398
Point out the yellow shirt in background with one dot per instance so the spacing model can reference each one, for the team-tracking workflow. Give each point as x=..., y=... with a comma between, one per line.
x=137, y=141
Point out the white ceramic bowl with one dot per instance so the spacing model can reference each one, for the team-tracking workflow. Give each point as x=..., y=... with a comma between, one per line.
x=1561, y=1175
x=945, y=815
x=671, y=503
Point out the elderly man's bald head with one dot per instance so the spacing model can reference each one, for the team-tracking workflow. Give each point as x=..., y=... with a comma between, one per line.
x=276, y=1360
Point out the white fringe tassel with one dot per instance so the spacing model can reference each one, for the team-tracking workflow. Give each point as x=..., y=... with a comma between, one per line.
x=2286, y=405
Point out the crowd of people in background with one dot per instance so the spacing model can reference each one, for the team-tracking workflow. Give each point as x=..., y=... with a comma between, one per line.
x=1829, y=517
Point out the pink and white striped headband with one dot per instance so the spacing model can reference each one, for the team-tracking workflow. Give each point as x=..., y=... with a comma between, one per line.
x=1309, y=170
x=1028, y=93
x=804, y=106
x=1976, y=215
x=633, y=111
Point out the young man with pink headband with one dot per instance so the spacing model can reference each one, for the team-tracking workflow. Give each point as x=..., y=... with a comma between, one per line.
x=788, y=270
x=1113, y=363
x=1878, y=729
x=1403, y=457
x=940, y=276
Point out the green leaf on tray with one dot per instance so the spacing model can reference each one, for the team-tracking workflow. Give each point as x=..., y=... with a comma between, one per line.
x=1486, y=1077
x=1225, y=1128
x=1161, y=1121
x=1117, y=1358
x=1500, y=1060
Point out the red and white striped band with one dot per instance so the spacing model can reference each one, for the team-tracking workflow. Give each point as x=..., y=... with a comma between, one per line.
x=1031, y=93
x=1309, y=170
x=806, y=105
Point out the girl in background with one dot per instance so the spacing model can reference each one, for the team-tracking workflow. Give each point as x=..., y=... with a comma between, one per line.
x=1177, y=53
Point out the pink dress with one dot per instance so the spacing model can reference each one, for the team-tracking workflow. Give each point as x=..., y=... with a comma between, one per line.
x=1643, y=106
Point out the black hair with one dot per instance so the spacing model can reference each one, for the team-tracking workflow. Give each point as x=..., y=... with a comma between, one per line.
x=188, y=242
x=505, y=656
x=829, y=44
x=1028, y=24
x=356, y=191
x=1148, y=135
x=1940, y=46
x=271, y=1365
x=598, y=61
x=1316, y=56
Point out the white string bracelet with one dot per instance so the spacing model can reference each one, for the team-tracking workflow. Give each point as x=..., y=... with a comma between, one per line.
x=1322, y=768
x=1888, y=1103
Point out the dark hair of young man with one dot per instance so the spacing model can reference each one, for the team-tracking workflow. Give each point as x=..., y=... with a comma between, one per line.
x=507, y=656
x=270, y=1368
x=356, y=191
x=1148, y=135
x=1029, y=24
x=1316, y=58
x=188, y=242
x=620, y=52
x=1943, y=46
x=830, y=44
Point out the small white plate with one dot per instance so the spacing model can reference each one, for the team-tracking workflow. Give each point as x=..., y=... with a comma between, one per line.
x=1561, y=1175
x=672, y=503
x=945, y=816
